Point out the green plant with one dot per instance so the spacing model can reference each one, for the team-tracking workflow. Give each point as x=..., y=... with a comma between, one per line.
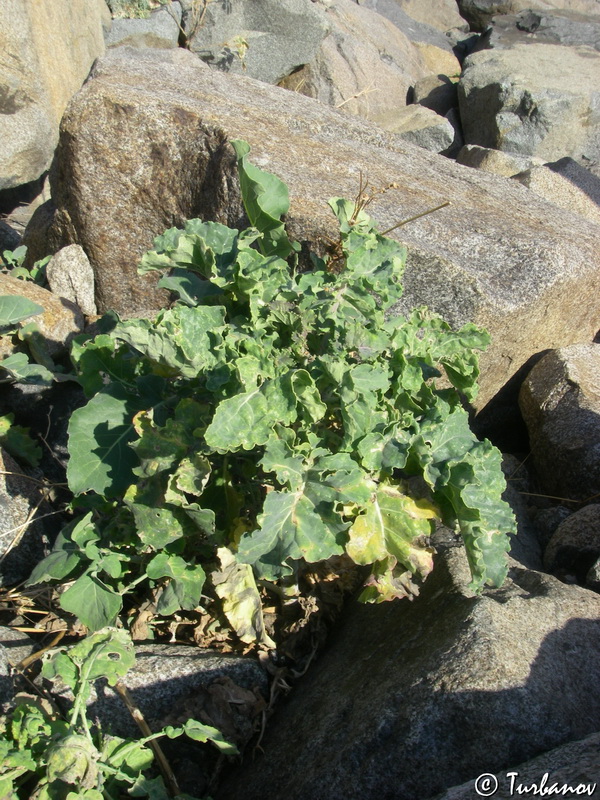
x=271, y=418
x=13, y=311
x=13, y=265
x=46, y=757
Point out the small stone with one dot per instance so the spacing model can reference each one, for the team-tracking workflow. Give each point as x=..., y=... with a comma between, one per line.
x=70, y=275
x=575, y=546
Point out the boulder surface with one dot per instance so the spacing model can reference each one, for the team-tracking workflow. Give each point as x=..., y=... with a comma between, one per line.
x=145, y=145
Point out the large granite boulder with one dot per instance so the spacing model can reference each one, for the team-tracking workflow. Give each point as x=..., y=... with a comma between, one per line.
x=442, y=15
x=553, y=27
x=560, y=402
x=264, y=39
x=145, y=145
x=534, y=99
x=47, y=51
x=365, y=65
x=479, y=13
x=412, y=698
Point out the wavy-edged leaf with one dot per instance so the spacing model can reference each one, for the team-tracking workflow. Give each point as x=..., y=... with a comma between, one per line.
x=185, y=587
x=246, y=420
x=290, y=528
x=99, y=436
x=394, y=525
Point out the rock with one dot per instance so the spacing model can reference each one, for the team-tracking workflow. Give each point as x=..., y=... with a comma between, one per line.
x=420, y=20
x=440, y=14
x=157, y=153
x=70, y=275
x=592, y=579
x=160, y=29
x=168, y=679
x=61, y=319
x=560, y=403
x=22, y=542
x=533, y=99
x=547, y=521
x=411, y=698
x=495, y=161
x=421, y=126
x=264, y=39
x=575, y=765
x=555, y=27
x=365, y=65
x=558, y=189
x=575, y=545
x=524, y=545
x=437, y=92
x=10, y=239
x=479, y=13
x=438, y=60
x=48, y=49
x=14, y=647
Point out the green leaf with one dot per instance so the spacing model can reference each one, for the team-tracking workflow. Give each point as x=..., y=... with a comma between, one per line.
x=185, y=588
x=101, y=361
x=246, y=420
x=241, y=603
x=266, y=200
x=291, y=527
x=14, y=309
x=92, y=601
x=18, y=442
x=99, y=435
x=20, y=369
x=107, y=653
x=67, y=553
x=206, y=733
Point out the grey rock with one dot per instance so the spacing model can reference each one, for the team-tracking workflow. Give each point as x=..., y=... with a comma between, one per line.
x=47, y=53
x=524, y=545
x=439, y=14
x=411, y=698
x=575, y=765
x=547, y=521
x=479, y=13
x=437, y=92
x=565, y=186
x=554, y=27
x=160, y=29
x=404, y=16
x=592, y=579
x=158, y=153
x=264, y=39
x=575, y=545
x=10, y=239
x=365, y=65
x=421, y=126
x=23, y=538
x=70, y=275
x=495, y=161
x=533, y=99
x=560, y=403
x=163, y=678
x=14, y=647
